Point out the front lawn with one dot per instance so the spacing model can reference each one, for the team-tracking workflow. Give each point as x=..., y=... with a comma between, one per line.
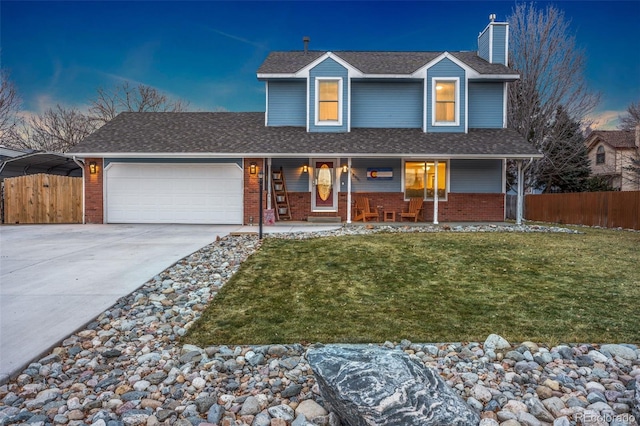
x=432, y=287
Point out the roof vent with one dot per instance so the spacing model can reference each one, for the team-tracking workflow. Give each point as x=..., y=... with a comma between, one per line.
x=492, y=17
x=306, y=41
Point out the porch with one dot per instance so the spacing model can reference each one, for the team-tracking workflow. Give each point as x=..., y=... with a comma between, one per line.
x=325, y=190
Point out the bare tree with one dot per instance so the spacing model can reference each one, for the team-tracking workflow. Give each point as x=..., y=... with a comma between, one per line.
x=10, y=104
x=543, y=50
x=631, y=118
x=56, y=130
x=630, y=122
x=124, y=97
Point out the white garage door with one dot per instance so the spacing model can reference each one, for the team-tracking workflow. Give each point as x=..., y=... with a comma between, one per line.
x=173, y=193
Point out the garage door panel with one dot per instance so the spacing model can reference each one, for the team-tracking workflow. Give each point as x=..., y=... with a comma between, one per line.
x=174, y=193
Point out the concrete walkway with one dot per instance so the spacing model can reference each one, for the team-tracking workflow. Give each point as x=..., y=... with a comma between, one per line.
x=287, y=227
x=54, y=279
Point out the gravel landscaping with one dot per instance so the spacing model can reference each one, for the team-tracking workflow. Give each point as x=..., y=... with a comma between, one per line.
x=128, y=368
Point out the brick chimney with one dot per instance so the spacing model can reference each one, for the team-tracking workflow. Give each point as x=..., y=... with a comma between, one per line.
x=493, y=42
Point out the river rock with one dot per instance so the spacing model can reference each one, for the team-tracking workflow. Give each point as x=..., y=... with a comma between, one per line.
x=636, y=408
x=374, y=385
x=495, y=342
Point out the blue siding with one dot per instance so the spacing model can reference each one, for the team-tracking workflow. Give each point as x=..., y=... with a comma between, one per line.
x=446, y=68
x=328, y=68
x=483, y=45
x=295, y=179
x=486, y=105
x=476, y=176
x=359, y=182
x=237, y=161
x=386, y=104
x=287, y=103
x=499, y=43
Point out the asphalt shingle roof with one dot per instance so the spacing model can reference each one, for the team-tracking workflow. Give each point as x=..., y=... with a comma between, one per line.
x=615, y=138
x=245, y=133
x=376, y=62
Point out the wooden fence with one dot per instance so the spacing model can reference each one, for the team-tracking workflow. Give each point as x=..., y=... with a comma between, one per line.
x=43, y=198
x=605, y=209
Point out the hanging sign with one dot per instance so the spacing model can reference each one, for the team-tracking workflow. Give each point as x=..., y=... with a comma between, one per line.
x=380, y=173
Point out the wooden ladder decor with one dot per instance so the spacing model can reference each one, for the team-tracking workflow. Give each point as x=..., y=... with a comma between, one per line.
x=280, y=196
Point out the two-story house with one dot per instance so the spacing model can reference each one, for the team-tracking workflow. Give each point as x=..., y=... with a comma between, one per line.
x=612, y=153
x=389, y=126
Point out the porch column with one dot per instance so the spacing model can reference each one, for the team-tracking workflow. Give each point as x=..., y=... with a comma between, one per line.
x=520, y=193
x=435, y=193
x=81, y=165
x=349, y=190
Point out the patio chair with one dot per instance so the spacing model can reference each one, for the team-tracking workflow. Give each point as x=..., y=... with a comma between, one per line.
x=363, y=210
x=415, y=208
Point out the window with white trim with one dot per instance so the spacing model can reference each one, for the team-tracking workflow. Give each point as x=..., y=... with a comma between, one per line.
x=328, y=101
x=446, y=102
x=420, y=179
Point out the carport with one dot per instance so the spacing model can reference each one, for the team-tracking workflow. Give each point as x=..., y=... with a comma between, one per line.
x=40, y=162
x=41, y=187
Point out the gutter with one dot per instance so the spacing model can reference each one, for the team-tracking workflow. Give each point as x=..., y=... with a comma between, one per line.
x=168, y=155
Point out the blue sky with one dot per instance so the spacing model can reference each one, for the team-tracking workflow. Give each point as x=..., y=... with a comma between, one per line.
x=207, y=52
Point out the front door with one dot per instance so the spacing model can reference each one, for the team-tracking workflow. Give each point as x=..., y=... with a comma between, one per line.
x=324, y=197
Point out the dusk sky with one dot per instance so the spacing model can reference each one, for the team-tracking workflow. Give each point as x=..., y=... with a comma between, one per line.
x=207, y=52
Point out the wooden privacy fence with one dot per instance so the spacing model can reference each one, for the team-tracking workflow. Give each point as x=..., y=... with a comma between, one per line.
x=43, y=198
x=605, y=209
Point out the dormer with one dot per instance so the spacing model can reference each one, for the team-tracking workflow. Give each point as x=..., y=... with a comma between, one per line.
x=493, y=42
x=328, y=82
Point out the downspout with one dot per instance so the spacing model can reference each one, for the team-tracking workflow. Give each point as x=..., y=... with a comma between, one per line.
x=520, y=201
x=81, y=165
x=268, y=182
x=349, y=190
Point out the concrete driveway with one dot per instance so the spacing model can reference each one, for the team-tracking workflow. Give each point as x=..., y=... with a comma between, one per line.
x=54, y=279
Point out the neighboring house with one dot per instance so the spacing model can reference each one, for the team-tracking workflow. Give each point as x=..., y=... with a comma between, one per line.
x=385, y=125
x=611, y=153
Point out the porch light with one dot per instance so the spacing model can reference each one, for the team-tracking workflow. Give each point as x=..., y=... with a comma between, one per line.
x=253, y=168
x=305, y=168
x=345, y=168
x=93, y=168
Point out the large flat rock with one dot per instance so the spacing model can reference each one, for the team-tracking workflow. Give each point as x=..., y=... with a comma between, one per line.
x=367, y=385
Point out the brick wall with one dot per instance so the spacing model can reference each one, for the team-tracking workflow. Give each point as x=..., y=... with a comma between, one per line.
x=251, y=191
x=457, y=208
x=470, y=208
x=93, y=192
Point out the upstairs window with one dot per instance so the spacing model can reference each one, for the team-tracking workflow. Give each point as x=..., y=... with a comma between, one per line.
x=420, y=179
x=445, y=102
x=329, y=101
x=600, y=155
